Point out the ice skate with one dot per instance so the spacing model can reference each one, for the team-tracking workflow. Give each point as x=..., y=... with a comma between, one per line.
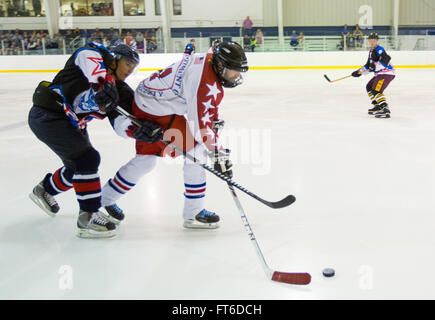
x=114, y=214
x=44, y=200
x=376, y=108
x=383, y=113
x=94, y=225
x=203, y=220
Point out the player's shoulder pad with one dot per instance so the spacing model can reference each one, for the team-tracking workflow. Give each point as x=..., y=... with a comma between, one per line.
x=87, y=51
x=380, y=50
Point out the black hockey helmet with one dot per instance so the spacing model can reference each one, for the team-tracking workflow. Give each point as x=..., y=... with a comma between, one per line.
x=373, y=35
x=124, y=51
x=229, y=55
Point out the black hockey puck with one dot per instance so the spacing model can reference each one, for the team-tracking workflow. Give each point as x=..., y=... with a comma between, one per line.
x=328, y=272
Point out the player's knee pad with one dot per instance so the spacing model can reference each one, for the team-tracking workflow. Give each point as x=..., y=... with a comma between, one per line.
x=141, y=165
x=88, y=161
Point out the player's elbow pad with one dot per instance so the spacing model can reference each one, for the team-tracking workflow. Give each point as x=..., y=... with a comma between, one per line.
x=385, y=59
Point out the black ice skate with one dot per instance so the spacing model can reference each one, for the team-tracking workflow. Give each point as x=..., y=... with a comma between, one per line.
x=94, y=225
x=44, y=200
x=383, y=113
x=376, y=108
x=115, y=213
x=203, y=220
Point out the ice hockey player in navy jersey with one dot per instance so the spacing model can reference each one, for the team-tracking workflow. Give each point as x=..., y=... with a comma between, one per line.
x=184, y=100
x=378, y=63
x=90, y=86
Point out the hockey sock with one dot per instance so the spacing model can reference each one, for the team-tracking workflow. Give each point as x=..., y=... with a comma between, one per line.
x=126, y=178
x=380, y=98
x=59, y=181
x=120, y=185
x=372, y=95
x=195, y=187
x=86, y=181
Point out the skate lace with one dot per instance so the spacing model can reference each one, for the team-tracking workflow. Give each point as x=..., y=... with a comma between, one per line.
x=97, y=218
x=49, y=199
x=116, y=208
x=206, y=213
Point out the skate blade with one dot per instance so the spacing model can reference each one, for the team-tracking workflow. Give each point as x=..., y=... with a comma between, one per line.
x=382, y=116
x=92, y=234
x=200, y=225
x=40, y=204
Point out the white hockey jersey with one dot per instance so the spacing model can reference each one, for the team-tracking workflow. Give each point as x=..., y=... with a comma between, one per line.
x=188, y=87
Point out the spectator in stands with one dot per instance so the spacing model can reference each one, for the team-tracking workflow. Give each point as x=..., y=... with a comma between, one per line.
x=301, y=40
x=259, y=36
x=344, y=36
x=34, y=42
x=37, y=7
x=85, y=34
x=247, y=26
x=294, y=39
x=130, y=41
x=68, y=36
x=114, y=41
x=76, y=33
x=151, y=45
x=246, y=42
x=358, y=35
x=98, y=36
x=140, y=41
x=253, y=43
x=25, y=39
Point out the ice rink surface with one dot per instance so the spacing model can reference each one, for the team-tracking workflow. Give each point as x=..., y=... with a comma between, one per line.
x=365, y=206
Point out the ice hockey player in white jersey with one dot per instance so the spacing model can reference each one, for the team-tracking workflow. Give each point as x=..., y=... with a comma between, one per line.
x=184, y=100
x=378, y=62
x=89, y=87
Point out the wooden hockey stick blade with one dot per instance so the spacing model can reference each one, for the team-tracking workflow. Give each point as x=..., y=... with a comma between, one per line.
x=280, y=204
x=326, y=77
x=302, y=278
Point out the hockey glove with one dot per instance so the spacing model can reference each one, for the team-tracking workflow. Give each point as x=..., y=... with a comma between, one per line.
x=107, y=96
x=356, y=73
x=148, y=132
x=222, y=162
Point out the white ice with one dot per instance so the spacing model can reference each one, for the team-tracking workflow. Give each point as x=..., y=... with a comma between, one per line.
x=365, y=206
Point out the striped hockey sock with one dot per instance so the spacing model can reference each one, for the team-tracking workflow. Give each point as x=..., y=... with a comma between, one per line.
x=195, y=191
x=88, y=190
x=380, y=98
x=120, y=185
x=59, y=181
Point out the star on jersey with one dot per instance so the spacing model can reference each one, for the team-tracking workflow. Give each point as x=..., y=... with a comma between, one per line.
x=208, y=105
x=213, y=91
x=206, y=119
x=99, y=68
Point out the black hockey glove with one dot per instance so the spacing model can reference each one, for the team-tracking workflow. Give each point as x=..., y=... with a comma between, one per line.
x=222, y=162
x=372, y=67
x=356, y=73
x=148, y=131
x=107, y=96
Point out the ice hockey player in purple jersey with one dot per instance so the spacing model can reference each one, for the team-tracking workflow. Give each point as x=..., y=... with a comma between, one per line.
x=90, y=86
x=379, y=63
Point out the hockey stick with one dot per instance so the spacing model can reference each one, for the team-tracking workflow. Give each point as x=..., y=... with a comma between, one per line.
x=286, y=277
x=330, y=81
x=275, y=205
